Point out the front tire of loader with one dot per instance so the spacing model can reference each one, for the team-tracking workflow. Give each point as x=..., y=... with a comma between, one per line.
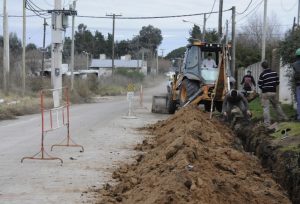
x=187, y=89
x=207, y=106
x=171, y=104
x=219, y=106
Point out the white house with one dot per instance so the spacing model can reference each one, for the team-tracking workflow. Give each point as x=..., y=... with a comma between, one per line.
x=104, y=66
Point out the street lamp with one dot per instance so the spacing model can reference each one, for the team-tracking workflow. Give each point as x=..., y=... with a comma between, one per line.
x=204, y=26
x=186, y=21
x=87, y=58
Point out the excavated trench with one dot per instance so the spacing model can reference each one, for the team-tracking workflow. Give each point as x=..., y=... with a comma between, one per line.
x=191, y=159
x=284, y=165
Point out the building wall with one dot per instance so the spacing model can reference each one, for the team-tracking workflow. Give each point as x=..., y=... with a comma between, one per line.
x=255, y=69
x=104, y=72
x=285, y=92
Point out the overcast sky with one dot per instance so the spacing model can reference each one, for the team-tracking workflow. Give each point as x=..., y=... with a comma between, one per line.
x=174, y=30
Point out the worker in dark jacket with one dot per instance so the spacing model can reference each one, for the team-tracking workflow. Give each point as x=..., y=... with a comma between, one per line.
x=235, y=98
x=248, y=81
x=296, y=67
x=268, y=81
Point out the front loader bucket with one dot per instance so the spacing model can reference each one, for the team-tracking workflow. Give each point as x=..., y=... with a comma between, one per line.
x=160, y=104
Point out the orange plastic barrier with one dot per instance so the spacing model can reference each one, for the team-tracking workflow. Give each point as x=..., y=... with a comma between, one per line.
x=65, y=115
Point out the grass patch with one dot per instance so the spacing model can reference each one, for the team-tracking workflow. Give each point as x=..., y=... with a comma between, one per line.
x=257, y=110
x=292, y=148
x=294, y=126
x=111, y=90
x=23, y=106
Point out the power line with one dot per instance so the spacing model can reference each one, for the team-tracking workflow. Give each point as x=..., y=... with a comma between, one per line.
x=37, y=7
x=211, y=9
x=127, y=18
x=254, y=9
x=152, y=17
x=245, y=9
x=31, y=6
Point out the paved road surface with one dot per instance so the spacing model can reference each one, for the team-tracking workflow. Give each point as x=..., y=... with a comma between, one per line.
x=99, y=127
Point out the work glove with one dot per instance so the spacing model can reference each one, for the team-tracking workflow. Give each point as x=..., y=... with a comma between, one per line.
x=249, y=113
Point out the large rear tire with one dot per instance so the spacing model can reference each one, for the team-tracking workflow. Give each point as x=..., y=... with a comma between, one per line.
x=187, y=89
x=207, y=106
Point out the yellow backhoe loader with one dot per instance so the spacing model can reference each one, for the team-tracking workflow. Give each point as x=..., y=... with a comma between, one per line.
x=201, y=80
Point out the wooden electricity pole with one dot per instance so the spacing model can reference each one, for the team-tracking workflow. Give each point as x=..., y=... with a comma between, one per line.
x=73, y=46
x=6, y=50
x=220, y=20
x=113, y=43
x=24, y=50
x=233, y=39
x=204, y=27
x=263, y=48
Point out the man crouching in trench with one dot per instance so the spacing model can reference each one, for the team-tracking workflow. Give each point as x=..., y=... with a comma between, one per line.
x=235, y=98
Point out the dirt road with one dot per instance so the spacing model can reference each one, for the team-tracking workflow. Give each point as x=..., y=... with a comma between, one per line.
x=99, y=127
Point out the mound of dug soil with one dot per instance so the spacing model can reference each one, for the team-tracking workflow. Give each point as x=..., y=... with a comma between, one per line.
x=191, y=159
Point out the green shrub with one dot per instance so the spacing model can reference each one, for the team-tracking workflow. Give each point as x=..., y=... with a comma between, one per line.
x=134, y=76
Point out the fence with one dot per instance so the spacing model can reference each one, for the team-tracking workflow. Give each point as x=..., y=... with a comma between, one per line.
x=255, y=69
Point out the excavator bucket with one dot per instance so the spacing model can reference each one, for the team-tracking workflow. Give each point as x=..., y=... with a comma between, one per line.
x=160, y=104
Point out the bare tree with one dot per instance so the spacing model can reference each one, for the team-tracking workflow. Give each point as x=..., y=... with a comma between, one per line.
x=33, y=61
x=249, y=40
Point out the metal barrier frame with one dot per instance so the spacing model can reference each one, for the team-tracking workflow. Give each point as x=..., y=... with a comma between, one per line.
x=42, y=154
x=70, y=142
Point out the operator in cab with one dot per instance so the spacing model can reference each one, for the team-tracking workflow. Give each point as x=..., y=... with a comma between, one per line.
x=209, y=62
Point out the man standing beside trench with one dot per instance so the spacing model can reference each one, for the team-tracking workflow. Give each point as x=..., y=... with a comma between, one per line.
x=268, y=81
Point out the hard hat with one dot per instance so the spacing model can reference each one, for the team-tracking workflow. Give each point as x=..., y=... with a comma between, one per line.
x=297, y=52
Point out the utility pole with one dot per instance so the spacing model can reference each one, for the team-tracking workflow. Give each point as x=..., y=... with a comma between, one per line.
x=294, y=25
x=138, y=49
x=56, y=53
x=44, y=49
x=6, y=50
x=226, y=40
x=87, y=59
x=156, y=63
x=233, y=39
x=24, y=50
x=162, y=52
x=73, y=46
x=204, y=27
x=263, y=48
x=298, y=13
x=113, y=43
x=220, y=20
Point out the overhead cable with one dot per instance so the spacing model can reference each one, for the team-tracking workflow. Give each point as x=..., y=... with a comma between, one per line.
x=212, y=8
x=246, y=8
x=151, y=17
x=254, y=9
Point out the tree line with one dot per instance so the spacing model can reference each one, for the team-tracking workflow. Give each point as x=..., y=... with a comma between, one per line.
x=94, y=43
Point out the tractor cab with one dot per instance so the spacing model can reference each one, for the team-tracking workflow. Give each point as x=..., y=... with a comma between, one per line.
x=204, y=73
x=202, y=61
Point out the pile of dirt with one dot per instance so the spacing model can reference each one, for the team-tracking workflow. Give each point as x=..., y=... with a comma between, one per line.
x=191, y=159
